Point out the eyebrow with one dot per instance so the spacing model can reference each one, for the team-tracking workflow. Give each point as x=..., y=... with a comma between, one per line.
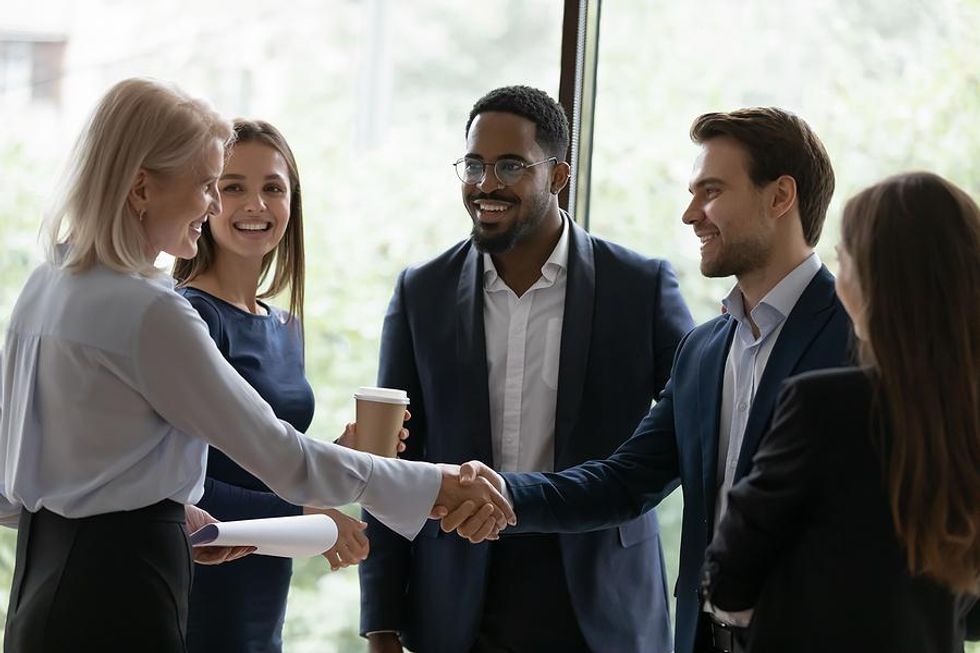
x=275, y=176
x=701, y=183
x=517, y=157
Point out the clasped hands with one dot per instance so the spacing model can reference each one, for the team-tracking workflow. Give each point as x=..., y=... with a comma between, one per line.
x=471, y=502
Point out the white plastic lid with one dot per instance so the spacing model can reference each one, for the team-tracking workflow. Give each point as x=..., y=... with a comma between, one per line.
x=384, y=395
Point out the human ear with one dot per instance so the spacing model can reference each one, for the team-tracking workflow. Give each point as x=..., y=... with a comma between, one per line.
x=783, y=196
x=560, y=176
x=138, y=193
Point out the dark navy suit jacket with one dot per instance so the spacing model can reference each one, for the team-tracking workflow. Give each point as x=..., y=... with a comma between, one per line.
x=677, y=442
x=623, y=319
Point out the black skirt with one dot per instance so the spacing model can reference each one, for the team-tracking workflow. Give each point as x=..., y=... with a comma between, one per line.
x=113, y=582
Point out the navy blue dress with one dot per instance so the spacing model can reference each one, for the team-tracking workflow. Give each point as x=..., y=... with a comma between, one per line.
x=239, y=606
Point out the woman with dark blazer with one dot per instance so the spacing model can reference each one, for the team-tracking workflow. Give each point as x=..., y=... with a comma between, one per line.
x=859, y=527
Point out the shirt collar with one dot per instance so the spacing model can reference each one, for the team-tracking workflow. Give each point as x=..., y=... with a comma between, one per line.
x=558, y=260
x=778, y=302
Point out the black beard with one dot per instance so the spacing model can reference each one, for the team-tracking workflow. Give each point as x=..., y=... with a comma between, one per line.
x=499, y=243
x=504, y=242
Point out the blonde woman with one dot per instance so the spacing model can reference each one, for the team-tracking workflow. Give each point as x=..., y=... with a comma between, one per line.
x=112, y=389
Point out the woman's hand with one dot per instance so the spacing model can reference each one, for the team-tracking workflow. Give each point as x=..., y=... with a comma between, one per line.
x=349, y=437
x=352, y=544
x=211, y=555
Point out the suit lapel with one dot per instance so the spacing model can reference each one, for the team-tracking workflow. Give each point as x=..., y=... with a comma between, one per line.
x=711, y=378
x=803, y=324
x=471, y=355
x=576, y=333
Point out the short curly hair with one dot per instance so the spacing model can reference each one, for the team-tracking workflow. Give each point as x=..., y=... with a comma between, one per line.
x=548, y=116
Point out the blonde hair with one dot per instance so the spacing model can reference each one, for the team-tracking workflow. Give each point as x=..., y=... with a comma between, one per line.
x=138, y=124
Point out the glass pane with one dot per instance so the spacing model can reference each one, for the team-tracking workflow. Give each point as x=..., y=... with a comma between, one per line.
x=373, y=96
x=888, y=86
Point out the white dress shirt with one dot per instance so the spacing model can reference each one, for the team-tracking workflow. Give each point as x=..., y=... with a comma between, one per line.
x=746, y=364
x=112, y=389
x=523, y=342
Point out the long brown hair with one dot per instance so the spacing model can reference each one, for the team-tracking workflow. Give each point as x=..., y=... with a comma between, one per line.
x=289, y=254
x=915, y=243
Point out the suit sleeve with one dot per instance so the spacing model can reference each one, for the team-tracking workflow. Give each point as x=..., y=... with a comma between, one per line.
x=384, y=574
x=603, y=493
x=671, y=322
x=766, y=508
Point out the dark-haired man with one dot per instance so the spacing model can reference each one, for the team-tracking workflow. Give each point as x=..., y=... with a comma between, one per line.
x=760, y=190
x=530, y=346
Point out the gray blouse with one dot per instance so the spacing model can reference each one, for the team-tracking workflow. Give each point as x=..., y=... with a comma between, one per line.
x=111, y=389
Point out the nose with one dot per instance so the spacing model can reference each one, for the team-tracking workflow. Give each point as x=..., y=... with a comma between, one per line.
x=489, y=183
x=255, y=203
x=692, y=213
x=214, y=208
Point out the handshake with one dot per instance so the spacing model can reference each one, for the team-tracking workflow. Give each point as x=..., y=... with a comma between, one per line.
x=471, y=502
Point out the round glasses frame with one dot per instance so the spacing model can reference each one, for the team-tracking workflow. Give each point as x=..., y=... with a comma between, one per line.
x=507, y=171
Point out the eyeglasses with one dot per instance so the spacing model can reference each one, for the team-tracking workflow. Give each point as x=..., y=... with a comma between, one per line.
x=471, y=170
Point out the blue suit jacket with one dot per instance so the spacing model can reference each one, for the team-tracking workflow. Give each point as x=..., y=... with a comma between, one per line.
x=624, y=317
x=677, y=442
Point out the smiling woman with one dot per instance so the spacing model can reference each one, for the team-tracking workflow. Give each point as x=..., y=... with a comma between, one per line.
x=173, y=207
x=113, y=390
x=242, y=606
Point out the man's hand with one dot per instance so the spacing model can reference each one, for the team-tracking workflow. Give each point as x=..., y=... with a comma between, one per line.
x=384, y=643
x=473, y=503
x=467, y=524
x=211, y=555
x=349, y=437
x=352, y=544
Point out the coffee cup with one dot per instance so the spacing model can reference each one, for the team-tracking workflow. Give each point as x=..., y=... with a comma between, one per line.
x=380, y=414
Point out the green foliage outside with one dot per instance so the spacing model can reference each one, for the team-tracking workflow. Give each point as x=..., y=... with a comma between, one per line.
x=374, y=95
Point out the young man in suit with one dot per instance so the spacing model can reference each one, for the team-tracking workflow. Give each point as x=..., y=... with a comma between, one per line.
x=530, y=346
x=760, y=189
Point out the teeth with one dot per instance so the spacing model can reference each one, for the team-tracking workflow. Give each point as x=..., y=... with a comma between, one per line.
x=489, y=206
x=252, y=226
x=705, y=239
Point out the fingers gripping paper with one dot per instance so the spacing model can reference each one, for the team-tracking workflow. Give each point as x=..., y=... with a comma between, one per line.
x=284, y=537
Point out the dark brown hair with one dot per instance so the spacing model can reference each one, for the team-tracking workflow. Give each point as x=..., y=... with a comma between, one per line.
x=914, y=240
x=288, y=255
x=778, y=143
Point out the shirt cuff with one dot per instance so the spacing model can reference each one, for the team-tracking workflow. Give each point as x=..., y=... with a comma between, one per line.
x=401, y=493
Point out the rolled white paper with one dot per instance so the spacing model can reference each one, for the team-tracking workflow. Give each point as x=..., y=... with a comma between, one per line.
x=299, y=536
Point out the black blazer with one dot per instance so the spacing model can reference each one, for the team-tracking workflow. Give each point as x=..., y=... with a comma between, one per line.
x=808, y=538
x=623, y=318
